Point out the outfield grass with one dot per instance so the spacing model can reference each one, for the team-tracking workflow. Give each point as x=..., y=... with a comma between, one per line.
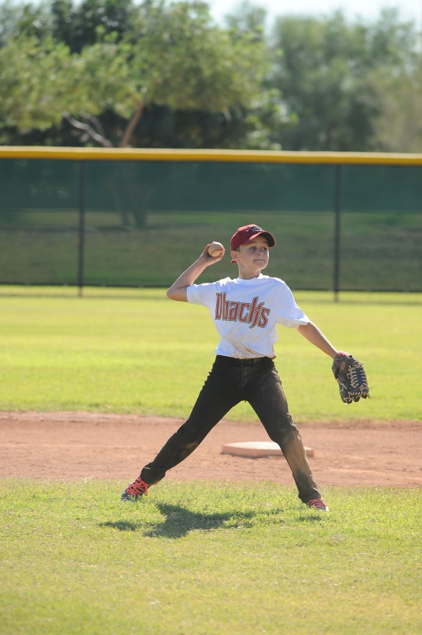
x=379, y=250
x=202, y=558
x=207, y=558
x=138, y=352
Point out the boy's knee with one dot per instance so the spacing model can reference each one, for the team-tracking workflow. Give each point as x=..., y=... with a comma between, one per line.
x=283, y=428
x=190, y=434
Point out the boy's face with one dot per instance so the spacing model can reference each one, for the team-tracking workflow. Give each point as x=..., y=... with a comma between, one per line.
x=252, y=257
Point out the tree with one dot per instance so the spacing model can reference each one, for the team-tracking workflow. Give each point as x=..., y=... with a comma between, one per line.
x=34, y=79
x=399, y=126
x=176, y=58
x=77, y=24
x=325, y=74
x=185, y=61
x=248, y=18
x=10, y=14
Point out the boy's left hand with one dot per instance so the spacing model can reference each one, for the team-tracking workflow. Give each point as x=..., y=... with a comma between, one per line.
x=351, y=377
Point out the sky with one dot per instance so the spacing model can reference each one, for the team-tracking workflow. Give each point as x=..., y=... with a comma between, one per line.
x=366, y=9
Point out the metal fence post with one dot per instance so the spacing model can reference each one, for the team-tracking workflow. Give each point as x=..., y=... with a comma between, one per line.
x=337, y=218
x=81, y=231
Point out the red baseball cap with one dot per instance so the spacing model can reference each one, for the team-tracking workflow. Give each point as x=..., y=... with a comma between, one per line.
x=246, y=234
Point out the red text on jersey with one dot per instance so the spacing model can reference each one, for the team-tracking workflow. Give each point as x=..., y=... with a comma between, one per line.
x=250, y=313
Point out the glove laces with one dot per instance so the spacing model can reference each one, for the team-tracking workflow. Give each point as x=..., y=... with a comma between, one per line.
x=357, y=377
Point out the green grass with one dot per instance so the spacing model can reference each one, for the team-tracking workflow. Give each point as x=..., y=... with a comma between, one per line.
x=207, y=558
x=135, y=351
x=202, y=558
x=379, y=250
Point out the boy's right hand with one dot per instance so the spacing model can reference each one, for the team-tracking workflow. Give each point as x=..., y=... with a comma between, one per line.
x=207, y=259
x=178, y=290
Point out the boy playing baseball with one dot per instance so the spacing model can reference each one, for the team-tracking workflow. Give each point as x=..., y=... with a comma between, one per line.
x=246, y=312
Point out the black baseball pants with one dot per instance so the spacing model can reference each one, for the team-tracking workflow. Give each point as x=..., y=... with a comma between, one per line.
x=229, y=382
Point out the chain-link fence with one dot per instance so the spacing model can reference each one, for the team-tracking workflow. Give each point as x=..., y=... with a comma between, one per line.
x=341, y=222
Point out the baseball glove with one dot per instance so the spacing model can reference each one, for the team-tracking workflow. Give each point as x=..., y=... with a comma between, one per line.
x=351, y=377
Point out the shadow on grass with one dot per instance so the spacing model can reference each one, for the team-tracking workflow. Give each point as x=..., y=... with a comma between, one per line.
x=179, y=521
x=316, y=517
x=122, y=525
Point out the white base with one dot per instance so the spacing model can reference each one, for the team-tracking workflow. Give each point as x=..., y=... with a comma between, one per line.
x=257, y=449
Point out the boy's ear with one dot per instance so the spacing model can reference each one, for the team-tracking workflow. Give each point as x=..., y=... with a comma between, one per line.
x=234, y=255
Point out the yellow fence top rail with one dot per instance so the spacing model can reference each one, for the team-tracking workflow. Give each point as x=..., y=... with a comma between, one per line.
x=241, y=156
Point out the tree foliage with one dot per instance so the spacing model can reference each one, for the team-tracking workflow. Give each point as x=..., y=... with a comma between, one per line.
x=162, y=73
x=172, y=55
x=327, y=72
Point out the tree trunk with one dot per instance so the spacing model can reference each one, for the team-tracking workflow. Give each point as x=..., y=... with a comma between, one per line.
x=132, y=125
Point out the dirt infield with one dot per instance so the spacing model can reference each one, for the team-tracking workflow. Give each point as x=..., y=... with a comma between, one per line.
x=81, y=445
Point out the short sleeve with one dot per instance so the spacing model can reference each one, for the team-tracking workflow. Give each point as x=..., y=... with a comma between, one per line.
x=288, y=312
x=202, y=294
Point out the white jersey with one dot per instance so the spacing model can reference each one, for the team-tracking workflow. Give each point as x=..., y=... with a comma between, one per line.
x=246, y=313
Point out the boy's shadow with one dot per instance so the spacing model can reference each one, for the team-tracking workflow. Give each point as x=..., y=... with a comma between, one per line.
x=179, y=521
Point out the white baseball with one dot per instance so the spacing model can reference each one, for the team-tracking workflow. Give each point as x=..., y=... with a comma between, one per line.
x=215, y=249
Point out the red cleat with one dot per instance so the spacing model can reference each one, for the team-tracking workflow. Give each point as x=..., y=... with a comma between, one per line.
x=135, y=490
x=318, y=504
